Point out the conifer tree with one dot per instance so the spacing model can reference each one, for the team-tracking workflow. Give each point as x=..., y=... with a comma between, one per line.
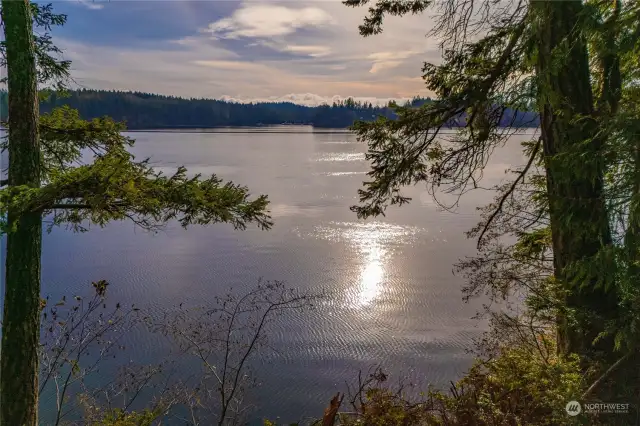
x=576, y=195
x=44, y=179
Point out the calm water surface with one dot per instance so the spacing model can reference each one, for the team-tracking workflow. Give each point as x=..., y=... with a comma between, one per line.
x=394, y=298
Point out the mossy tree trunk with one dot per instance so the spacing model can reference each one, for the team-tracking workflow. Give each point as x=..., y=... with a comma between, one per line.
x=575, y=173
x=21, y=320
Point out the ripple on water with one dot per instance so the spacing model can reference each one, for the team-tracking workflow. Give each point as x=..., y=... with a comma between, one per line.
x=339, y=142
x=282, y=210
x=373, y=244
x=341, y=156
x=376, y=321
x=363, y=234
x=340, y=173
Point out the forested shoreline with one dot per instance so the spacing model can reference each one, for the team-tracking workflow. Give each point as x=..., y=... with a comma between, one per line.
x=557, y=256
x=146, y=111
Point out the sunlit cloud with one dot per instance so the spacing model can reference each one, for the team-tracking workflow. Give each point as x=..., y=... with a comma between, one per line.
x=314, y=51
x=388, y=60
x=380, y=66
x=304, y=52
x=263, y=20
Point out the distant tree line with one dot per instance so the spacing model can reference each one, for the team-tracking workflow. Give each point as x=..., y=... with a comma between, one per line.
x=150, y=111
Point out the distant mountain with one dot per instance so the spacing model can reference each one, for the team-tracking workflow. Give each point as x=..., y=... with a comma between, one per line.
x=145, y=111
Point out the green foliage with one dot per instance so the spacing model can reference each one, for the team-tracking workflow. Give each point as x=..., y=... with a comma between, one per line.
x=474, y=80
x=47, y=152
x=115, y=186
x=564, y=231
x=373, y=23
x=267, y=422
x=519, y=386
x=118, y=417
x=53, y=72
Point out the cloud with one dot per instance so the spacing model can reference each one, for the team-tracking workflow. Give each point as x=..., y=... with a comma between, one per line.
x=201, y=69
x=314, y=51
x=388, y=60
x=386, y=56
x=379, y=66
x=264, y=20
x=228, y=65
x=308, y=53
x=91, y=4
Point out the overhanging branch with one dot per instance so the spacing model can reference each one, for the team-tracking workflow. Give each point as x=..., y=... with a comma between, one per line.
x=76, y=205
x=67, y=206
x=509, y=192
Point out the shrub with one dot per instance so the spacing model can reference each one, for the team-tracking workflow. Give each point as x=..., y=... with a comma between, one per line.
x=517, y=387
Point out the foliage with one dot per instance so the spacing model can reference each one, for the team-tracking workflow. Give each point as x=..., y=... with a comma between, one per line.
x=47, y=176
x=115, y=186
x=53, y=72
x=561, y=238
x=117, y=417
x=373, y=23
x=498, y=68
x=519, y=386
x=267, y=422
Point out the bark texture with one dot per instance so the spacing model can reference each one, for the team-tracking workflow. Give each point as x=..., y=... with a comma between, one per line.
x=579, y=221
x=21, y=318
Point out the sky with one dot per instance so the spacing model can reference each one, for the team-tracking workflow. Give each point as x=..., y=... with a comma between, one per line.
x=307, y=52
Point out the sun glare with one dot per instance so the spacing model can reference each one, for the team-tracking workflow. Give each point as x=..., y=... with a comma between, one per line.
x=372, y=275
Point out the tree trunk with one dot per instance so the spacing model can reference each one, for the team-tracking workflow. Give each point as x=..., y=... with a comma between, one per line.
x=579, y=221
x=21, y=319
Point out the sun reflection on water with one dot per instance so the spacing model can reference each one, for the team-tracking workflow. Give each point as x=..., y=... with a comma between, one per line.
x=372, y=275
x=374, y=242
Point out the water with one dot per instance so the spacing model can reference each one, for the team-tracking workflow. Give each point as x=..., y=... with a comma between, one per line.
x=394, y=298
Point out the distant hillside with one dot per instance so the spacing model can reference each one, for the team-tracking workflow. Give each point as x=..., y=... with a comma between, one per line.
x=150, y=111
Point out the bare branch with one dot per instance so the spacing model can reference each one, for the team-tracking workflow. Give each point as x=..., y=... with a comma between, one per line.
x=610, y=370
x=506, y=195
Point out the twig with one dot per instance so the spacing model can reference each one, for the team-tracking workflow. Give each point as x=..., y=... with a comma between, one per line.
x=509, y=192
x=605, y=374
x=331, y=411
